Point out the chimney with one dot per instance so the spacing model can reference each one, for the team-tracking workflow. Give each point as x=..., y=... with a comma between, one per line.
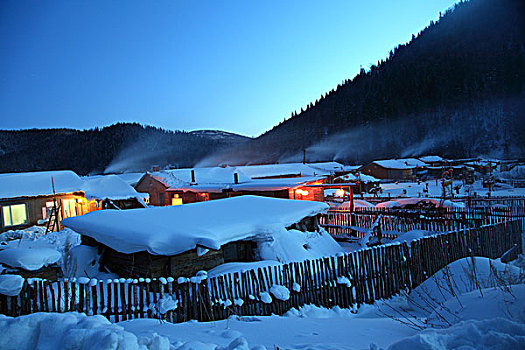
x=192, y=175
x=235, y=178
x=155, y=168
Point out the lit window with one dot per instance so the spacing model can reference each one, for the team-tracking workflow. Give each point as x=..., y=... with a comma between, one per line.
x=70, y=208
x=176, y=200
x=46, y=211
x=14, y=214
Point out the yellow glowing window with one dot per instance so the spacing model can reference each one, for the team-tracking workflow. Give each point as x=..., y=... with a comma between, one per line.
x=14, y=214
x=70, y=208
x=176, y=200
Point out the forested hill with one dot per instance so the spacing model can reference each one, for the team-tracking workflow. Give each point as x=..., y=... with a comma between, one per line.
x=457, y=88
x=123, y=146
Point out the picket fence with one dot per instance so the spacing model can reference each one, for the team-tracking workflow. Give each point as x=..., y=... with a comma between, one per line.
x=347, y=280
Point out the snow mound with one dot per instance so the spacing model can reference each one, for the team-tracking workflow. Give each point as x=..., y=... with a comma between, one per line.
x=30, y=259
x=11, y=284
x=463, y=276
x=71, y=331
x=34, y=238
x=497, y=333
x=280, y=292
x=506, y=302
x=312, y=311
x=288, y=246
x=32, y=232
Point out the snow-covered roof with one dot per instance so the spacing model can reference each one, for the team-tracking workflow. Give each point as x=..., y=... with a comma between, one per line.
x=288, y=169
x=431, y=159
x=362, y=177
x=131, y=178
x=327, y=167
x=351, y=167
x=109, y=187
x=407, y=163
x=34, y=184
x=176, y=229
x=219, y=179
x=206, y=179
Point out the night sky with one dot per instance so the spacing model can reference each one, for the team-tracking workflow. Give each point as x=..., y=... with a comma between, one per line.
x=239, y=66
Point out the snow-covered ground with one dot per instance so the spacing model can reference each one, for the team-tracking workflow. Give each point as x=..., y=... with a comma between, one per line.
x=471, y=304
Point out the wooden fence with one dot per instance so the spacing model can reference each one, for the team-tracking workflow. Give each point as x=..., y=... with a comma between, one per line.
x=348, y=280
x=394, y=221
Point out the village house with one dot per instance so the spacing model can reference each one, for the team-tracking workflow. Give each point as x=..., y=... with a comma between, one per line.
x=182, y=240
x=27, y=199
x=395, y=169
x=182, y=186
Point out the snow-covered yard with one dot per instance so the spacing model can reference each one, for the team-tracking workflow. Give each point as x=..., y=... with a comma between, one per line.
x=486, y=312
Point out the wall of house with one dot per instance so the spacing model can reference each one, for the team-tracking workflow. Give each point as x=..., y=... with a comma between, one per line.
x=35, y=208
x=385, y=173
x=143, y=264
x=314, y=194
x=155, y=189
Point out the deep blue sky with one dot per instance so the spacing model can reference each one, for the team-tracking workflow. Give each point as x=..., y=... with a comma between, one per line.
x=239, y=66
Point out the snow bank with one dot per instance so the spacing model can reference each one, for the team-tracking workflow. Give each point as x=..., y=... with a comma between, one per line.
x=71, y=331
x=176, y=229
x=497, y=333
x=30, y=259
x=506, y=302
x=313, y=311
x=11, y=284
x=463, y=276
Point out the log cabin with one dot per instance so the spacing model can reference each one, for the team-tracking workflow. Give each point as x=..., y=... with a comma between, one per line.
x=183, y=186
x=182, y=240
x=26, y=199
x=394, y=169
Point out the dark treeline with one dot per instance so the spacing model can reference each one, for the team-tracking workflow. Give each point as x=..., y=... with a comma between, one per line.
x=123, y=146
x=473, y=57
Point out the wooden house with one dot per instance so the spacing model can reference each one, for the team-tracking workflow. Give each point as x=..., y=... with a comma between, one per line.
x=394, y=169
x=27, y=199
x=182, y=240
x=183, y=186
